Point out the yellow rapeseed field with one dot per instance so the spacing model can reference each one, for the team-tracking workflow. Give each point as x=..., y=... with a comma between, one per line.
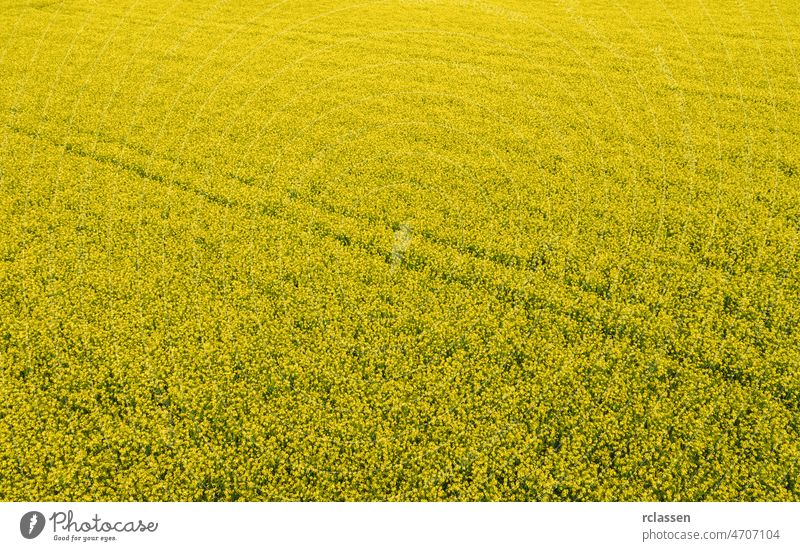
x=399, y=250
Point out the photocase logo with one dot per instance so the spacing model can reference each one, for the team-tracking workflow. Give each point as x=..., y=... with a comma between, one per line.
x=402, y=239
x=31, y=524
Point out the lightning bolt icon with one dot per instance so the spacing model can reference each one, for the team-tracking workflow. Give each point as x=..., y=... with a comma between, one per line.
x=34, y=521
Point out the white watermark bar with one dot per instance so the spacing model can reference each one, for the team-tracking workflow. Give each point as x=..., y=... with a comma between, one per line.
x=406, y=526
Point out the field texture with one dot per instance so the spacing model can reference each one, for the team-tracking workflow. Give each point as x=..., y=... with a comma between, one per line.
x=399, y=250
